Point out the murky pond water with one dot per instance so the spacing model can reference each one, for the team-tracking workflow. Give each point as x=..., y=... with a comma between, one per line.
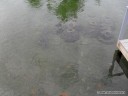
x=53, y=47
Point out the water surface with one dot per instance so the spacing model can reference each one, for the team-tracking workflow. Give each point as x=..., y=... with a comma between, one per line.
x=48, y=47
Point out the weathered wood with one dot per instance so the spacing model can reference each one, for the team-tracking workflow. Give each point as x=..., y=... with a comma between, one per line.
x=123, y=47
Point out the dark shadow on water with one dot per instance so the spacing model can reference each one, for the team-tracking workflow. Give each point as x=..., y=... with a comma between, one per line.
x=123, y=63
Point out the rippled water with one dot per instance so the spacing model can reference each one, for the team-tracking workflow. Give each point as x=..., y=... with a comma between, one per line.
x=52, y=47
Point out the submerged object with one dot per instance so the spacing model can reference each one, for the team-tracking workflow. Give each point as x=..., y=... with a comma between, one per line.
x=64, y=94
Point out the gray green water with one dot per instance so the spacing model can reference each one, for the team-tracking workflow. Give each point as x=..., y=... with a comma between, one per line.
x=52, y=46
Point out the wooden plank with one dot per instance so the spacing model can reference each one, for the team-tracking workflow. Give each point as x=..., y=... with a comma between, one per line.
x=123, y=47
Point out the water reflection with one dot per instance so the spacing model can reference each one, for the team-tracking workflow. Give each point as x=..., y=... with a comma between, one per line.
x=35, y=3
x=67, y=12
x=66, y=9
